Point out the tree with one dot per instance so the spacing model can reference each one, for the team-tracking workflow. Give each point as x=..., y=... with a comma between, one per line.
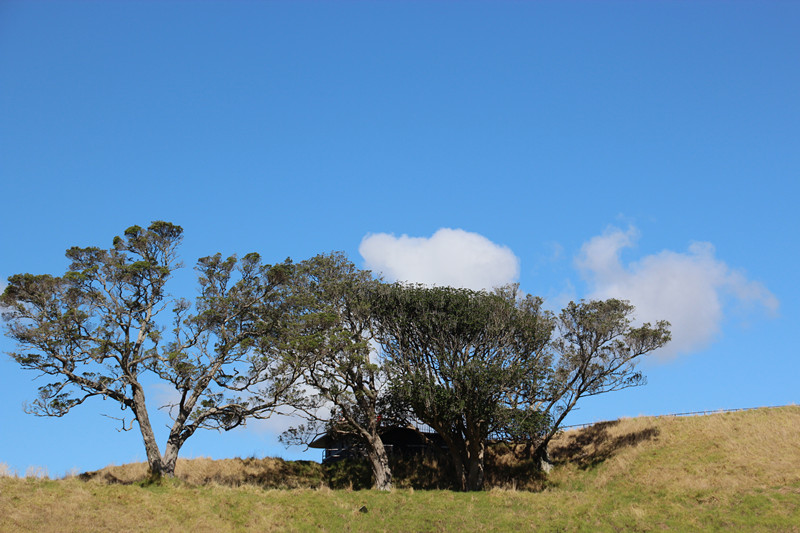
x=94, y=332
x=332, y=345
x=596, y=352
x=475, y=365
x=459, y=359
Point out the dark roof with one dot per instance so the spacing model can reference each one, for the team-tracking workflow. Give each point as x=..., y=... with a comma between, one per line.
x=403, y=436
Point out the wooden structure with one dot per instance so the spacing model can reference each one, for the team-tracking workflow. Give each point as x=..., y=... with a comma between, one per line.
x=396, y=440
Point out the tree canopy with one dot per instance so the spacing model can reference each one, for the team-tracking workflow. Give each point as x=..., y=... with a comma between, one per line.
x=596, y=352
x=345, y=350
x=479, y=366
x=459, y=359
x=332, y=342
x=95, y=332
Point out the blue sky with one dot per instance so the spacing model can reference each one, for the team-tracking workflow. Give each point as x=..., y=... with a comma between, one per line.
x=583, y=149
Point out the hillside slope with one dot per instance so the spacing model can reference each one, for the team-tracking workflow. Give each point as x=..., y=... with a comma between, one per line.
x=732, y=471
x=757, y=448
x=726, y=470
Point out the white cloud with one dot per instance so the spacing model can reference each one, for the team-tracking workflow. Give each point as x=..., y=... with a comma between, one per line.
x=689, y=289
x=275, y=424
x=451, y=257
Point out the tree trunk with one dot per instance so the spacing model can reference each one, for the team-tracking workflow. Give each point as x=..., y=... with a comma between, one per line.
x=541, y=455
x=154, y=462
x=379, y=461
x=459, y=462
x=177, y=436
x=170, y=458
x=477, y=453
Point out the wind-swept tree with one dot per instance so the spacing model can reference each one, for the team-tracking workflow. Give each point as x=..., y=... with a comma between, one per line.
x=475, y=365
x=95, y=332
x=332, y=343
x=459, y=358
x=596, y=352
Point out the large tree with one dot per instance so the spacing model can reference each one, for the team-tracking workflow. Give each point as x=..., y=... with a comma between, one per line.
x=332, y=342
x=475, y=365
x=99, y=331
x=458, y=358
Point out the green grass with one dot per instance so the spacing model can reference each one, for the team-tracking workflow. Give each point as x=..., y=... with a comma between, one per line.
x=72, y=505
x=726, y=472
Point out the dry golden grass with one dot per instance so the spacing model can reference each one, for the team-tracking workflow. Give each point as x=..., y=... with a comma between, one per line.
x=265, y=473
x=731, y=472
x=759, y=448
x=710, y=452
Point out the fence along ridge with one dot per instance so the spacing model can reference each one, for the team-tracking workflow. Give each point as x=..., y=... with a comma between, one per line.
x=693, y=413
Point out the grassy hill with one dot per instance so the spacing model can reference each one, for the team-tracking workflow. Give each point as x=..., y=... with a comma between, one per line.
x=732, y=471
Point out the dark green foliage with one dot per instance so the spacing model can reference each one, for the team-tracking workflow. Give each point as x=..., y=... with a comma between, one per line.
x=476, y=365
x=95, y=332
x=334, y=325
x=467, y=363
x=88, y=329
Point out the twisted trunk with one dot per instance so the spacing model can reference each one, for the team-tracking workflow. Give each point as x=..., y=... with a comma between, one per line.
x=155, y=463
x=170, y=458
x=379, y=462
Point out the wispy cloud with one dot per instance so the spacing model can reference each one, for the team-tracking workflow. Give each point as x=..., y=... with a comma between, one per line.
x=451, y=257
x=689, y=289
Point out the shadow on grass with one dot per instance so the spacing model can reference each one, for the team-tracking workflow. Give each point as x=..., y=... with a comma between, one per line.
x=105, y=477
x=418, y=471
x=592, y=445
x=278, y=473
x=586, y=448
x=268, y=473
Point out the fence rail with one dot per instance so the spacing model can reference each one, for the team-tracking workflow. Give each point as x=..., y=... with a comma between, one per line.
x=693, y=413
